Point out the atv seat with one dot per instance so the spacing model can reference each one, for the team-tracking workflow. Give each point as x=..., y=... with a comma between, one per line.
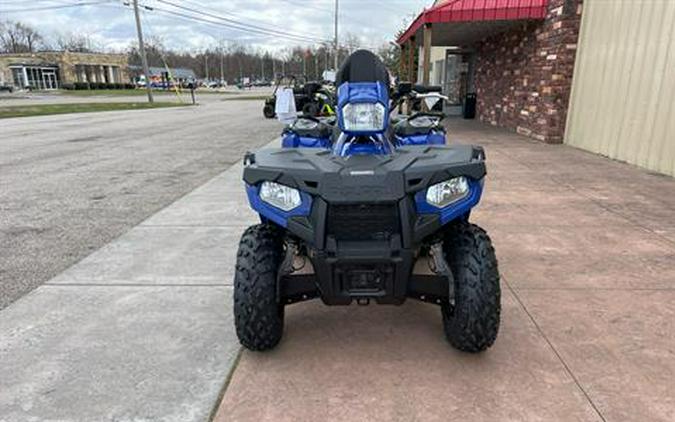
x=311, y=88
x=310, y=128
x=425, y=89
x=404, y=128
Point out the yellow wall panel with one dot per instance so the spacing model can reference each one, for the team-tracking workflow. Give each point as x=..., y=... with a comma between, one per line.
x=623, y=91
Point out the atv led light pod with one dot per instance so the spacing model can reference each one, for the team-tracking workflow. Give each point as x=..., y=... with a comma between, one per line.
x=363, y=117
x=445, y=193
x=280, y=196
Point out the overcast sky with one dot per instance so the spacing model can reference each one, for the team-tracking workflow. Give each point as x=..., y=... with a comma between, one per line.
x=110, y=24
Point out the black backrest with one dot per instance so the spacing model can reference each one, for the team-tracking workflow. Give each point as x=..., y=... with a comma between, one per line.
x=362, y=66
x=312, y=87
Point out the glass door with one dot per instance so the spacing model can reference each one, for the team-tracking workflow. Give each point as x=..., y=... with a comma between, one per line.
x=49, y=76
x=453, y=79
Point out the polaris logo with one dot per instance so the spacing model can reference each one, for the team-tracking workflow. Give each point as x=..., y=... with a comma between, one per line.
x=362, y=173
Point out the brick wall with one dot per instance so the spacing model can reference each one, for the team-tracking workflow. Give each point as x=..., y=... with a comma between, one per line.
x=524, y=77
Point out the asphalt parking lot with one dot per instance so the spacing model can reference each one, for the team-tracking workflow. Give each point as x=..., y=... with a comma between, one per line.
x=71, y=183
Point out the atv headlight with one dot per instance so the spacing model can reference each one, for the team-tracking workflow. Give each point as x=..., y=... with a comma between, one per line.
x=445, y=193
x=280, y=196
x=367, y=117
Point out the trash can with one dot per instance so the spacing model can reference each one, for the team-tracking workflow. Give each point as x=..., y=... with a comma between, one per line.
x=470, y=106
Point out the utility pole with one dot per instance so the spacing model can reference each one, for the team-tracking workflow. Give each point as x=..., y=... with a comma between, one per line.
x=316, y=66
x=325, y=64
x=262, y=68
x=274, y=69
x=206, y=64
x=222, y=67
x=141, y=49
x=336, y=34
x=241, y=75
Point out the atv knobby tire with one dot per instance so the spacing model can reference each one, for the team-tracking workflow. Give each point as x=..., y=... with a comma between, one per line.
x=311, y=109
x=258, y=316
x=472, y=322
x=268, y=111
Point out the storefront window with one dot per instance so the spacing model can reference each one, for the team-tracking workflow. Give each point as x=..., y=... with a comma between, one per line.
x=36, y=77
x=17, y=75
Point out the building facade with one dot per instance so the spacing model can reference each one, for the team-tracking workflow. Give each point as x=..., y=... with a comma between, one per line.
x=52, y=69
x=594, y=74
x=516, y=56
x=623, y=91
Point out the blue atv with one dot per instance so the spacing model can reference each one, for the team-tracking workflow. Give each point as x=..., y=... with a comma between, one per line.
x=422, y=128
x=356, y=211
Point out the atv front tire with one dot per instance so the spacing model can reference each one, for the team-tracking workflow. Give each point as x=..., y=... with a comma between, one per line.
x=258, y=315
x=268, y=111
x=472, y=322
x=311, y=109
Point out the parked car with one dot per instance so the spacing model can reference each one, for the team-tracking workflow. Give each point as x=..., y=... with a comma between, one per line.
x=6, y=88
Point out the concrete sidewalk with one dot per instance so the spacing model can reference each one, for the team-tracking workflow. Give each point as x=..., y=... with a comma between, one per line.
x=141, y=330
x=587, y=254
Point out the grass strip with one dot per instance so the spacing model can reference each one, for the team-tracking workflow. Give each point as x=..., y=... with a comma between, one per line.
x=48, y=109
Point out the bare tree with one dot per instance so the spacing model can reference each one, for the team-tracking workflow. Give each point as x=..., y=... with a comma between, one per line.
x=352, y=42
x=16, y=37
x=79, y=43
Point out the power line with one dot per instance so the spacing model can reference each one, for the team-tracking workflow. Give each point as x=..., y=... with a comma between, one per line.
x=223, y=25
x=308, y=6
x=23, y=2
x=257, y=23
x=246, y=26
x=35, y=9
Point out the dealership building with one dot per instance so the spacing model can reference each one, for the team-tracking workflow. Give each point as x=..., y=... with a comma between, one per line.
x=594, y=74
x=52, y=69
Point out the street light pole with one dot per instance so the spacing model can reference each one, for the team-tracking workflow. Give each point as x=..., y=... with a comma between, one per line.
x=222, y=67
x=336, y=34
x=316, y=65
x=141, y=49
x=325, y=63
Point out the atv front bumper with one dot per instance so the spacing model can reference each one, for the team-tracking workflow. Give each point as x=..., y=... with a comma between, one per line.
x=363, y=273
x=362, y=221
x=363, y=252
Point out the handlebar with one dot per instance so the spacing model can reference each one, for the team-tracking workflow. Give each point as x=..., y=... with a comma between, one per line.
x=411, y=94
x=436, y=114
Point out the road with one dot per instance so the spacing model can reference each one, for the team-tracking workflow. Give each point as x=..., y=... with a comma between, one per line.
x=60, y=97
x=71, y=183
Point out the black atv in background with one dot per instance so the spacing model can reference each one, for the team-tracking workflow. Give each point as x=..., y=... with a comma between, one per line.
x=311, y=98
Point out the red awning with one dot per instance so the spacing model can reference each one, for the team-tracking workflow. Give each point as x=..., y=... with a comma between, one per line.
x=477, y=11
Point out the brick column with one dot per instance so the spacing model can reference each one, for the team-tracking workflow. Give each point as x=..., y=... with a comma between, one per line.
x=524, y=76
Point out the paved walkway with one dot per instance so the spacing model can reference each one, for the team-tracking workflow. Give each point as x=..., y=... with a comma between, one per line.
x=587, y=254
x=142, y=329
